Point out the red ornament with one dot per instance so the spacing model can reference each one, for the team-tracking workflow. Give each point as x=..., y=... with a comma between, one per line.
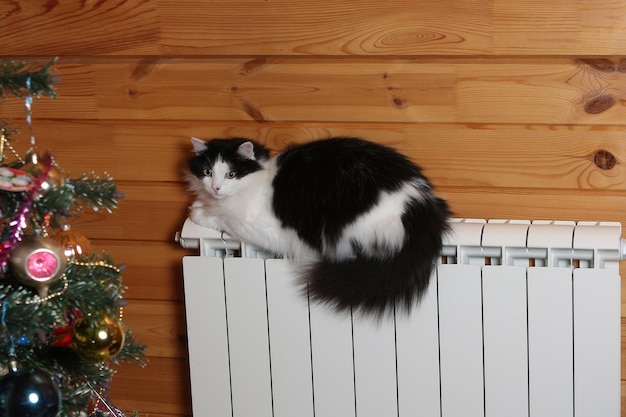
x=62, y=336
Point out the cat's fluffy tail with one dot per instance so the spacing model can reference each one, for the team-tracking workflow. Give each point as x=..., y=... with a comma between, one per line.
x=375, y=287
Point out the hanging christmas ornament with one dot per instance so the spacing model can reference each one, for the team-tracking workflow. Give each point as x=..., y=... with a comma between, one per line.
x=98, y=337
x=28, y=392
x=75, y=244
x=37, y=262
x=34, y=166
x=61, y=337
x=19, y=222
x=61, y=334
x=15, y=180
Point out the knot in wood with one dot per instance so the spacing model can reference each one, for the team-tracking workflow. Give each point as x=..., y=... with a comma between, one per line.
x=399, y=102
x=599, y=104
x=143, y=69
x=604, y=159
x=600, y=64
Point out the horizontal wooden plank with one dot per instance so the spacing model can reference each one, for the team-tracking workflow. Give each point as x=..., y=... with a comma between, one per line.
x=160, y=325
x=395, y=27
x=75, y=28
x=536, y=156
x=149, y=212
x=161, y=388
x=153, y=270
x=529, y=204
x=526, y=91
x=284, y=27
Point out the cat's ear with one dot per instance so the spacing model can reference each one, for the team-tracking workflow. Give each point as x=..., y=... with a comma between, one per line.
x=198, y=145
x=246, y=150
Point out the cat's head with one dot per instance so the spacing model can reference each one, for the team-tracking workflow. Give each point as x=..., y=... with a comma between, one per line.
x=221, y=164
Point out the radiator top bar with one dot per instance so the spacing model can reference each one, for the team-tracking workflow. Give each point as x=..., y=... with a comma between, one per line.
x=540, y=243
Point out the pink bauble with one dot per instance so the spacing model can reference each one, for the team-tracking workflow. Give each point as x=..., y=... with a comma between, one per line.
x=38, y=261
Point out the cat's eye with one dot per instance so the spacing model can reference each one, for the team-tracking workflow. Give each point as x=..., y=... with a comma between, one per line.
x=231, y=175
x=207, y=172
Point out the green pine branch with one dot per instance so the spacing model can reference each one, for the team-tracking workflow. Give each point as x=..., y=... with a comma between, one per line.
x=95, y=193
x=93, y=284
x=15, y=77
x=88, y=192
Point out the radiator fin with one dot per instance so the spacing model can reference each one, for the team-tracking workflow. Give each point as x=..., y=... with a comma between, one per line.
x=522, y=319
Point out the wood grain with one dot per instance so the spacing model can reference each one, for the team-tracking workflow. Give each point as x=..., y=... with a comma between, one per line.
x=520, y=91
x=528, y=204
x=153, y=270
x=149, y=212
x=160, y=325
x=459, y=155
x=161, y=388
x=340, y=28
x=52, y=28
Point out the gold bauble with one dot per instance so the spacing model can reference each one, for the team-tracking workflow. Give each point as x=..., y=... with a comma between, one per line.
x=98, y=337
x=74, y=243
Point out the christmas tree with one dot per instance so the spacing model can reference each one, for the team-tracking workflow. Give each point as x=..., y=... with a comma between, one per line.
x=61, y=301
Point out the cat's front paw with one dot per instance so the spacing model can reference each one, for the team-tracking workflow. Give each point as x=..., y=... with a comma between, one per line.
x=199, y=215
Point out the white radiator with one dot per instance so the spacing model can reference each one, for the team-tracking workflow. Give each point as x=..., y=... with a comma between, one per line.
x=521, y=319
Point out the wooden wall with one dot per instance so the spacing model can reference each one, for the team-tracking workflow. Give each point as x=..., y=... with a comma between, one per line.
x=515, y=109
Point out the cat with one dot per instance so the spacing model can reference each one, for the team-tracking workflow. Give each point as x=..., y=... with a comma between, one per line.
x=362, y=219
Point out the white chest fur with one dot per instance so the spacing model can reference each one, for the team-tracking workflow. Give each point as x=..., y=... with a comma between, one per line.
x=243, y=209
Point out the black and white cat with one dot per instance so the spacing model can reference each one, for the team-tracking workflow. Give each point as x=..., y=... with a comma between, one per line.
x=360, y=216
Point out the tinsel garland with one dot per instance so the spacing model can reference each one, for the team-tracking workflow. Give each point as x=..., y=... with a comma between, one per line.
x=18, y=224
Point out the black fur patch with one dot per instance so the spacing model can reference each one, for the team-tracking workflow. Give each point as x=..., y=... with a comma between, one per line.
x=227, y=149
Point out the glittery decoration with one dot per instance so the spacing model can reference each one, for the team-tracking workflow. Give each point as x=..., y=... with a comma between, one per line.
x=19, y=223
x=104, y=407
x=10, y=342
x=5, y=143
x=43, y=299
x=3, y=140
x=28, y=103
x=100, y=264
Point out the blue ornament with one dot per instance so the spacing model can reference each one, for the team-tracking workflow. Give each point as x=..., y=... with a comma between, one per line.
x=28, y=392
x=22, y=340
